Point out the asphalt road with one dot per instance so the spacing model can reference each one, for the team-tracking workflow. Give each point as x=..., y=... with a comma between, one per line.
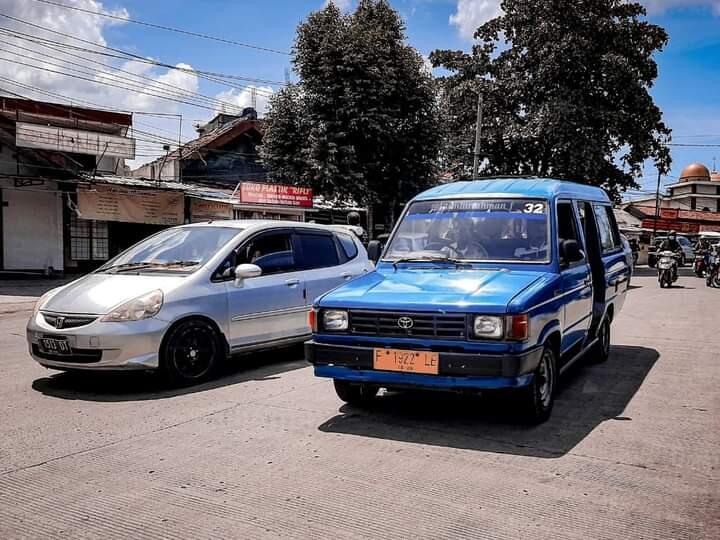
x=267, y=450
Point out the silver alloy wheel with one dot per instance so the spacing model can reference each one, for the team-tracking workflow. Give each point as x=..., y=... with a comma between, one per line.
x=546, y=378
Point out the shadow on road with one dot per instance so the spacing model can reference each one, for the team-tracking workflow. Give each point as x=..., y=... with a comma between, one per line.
x=589, y=395
x=137, y=386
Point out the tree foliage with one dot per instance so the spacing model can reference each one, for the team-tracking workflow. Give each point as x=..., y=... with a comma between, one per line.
x=362, y=121
x=566, y=93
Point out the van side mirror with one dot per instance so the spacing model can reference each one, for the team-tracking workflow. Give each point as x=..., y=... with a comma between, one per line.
x=246, y=271
x=374, y=250
x=570, y=251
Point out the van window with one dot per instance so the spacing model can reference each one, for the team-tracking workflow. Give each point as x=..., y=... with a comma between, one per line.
x=609, y=238
x=566, y=224
x=319, y=251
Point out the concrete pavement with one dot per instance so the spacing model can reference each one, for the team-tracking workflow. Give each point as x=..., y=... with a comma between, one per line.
x=267, y=450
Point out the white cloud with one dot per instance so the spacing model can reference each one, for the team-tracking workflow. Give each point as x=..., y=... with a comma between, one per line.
x=343, y=5
x=472, y=13
x=655, y=7
x=243, y=98
x=123, y=92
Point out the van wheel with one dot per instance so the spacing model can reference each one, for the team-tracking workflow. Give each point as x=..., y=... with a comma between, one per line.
x=354, y=393
x=601, y=350
x=536, y=399
x=191, y=354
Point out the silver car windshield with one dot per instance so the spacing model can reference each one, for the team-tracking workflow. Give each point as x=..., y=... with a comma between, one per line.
x=183, y=249
x=473, y=230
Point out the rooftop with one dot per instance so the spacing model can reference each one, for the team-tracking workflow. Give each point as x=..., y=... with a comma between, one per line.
x=531, y=187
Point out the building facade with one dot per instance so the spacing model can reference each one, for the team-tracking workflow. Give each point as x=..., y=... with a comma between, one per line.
x=691, y=205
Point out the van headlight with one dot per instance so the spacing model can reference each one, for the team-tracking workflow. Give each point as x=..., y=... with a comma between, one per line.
x=142, y=307
x=335, y=320
x=488, y=327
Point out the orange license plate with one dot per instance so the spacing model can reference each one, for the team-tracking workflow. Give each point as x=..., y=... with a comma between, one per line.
x=407, y=361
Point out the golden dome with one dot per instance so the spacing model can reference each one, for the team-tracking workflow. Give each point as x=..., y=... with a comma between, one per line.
x=694, y=172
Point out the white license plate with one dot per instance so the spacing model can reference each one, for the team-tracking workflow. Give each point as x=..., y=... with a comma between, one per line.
x=55, y=346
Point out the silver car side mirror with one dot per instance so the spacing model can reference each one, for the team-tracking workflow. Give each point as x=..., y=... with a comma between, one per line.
x=246, y=271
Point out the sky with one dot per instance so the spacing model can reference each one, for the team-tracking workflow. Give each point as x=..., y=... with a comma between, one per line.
x=686, y=89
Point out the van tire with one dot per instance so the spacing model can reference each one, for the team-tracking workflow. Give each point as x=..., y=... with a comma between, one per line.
x=536, y=399
x=601, y=350
x=358, y=394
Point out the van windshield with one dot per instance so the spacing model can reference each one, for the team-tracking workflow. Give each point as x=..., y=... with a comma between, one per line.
x=473, y=230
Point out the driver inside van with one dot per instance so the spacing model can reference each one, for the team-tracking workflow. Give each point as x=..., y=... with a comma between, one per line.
x=536, y=243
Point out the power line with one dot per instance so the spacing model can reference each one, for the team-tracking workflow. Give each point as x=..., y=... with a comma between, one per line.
x=692, y=145
x=126, y=55
x=142, y=91
x=154, y=81
x=167, y=28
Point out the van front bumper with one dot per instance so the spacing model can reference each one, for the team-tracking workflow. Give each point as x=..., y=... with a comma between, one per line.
x=456, y=370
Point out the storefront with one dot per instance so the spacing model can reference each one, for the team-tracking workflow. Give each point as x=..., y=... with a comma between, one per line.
x=104, y=219
x=251, y=200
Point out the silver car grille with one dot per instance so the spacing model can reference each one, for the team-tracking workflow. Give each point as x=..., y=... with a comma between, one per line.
x=61, y=322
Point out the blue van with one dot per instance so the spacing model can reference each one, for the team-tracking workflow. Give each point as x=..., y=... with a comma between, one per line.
x=483, y=285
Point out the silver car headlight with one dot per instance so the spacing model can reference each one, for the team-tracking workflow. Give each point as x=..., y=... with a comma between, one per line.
x=143, y=307
x=335, y=320
x=489, y=327
x=44, y=298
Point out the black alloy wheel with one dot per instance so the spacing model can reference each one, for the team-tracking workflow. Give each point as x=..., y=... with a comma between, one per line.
x=192, y=352
x=537, y=399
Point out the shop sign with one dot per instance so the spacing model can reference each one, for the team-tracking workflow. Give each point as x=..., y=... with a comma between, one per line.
x=106, y=203
x=667, y=225
x=709, y=228
x=204, y=210
x=668, y=213
x=275, y=194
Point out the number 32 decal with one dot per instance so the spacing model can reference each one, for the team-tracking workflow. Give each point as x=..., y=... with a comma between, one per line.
x=534, y=208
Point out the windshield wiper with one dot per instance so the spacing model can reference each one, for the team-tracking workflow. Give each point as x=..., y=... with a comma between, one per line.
x=128, y=267
x=439, y=258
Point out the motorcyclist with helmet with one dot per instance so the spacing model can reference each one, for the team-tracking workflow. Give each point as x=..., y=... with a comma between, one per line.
x=671, y=244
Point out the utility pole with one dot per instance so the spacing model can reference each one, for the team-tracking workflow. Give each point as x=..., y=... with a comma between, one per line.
x=478, y=132
x=657, y=206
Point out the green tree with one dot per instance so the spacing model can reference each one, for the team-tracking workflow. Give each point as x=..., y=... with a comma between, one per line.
x=284, y=133
x=566, y=93
x=369, y=126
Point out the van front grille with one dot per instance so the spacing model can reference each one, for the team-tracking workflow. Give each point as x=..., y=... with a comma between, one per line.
x=452, y=326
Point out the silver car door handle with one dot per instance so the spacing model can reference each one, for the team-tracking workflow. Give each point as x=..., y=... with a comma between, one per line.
x=346, y=275
x=292, y=282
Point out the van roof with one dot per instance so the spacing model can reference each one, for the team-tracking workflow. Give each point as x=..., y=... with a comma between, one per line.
x=531, y=187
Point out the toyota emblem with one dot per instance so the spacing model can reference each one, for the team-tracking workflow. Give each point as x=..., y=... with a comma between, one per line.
x=406, y=323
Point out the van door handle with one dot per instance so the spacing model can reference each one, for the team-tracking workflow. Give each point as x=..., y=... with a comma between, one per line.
x=292, y=282
x=346, y=275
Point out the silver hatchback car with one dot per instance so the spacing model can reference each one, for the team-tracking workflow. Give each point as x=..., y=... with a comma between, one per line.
x=187, y=297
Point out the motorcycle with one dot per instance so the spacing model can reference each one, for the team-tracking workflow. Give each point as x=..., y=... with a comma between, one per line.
x=700, y=265
x=667, y=268
x=712, y=274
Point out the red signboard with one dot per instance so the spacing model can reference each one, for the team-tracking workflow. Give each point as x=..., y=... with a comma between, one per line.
x=668, y=213
x=666, y=225
x=275, y=194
